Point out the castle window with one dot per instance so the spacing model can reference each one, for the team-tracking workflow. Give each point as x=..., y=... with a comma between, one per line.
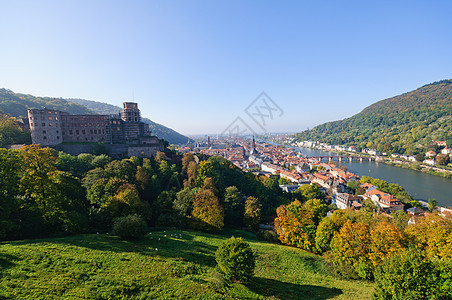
x=91, y=131
x=43, y=124
x=44, y=132
x=64, y=133
x=50, y=118
x=36, y=124
x=70, y=131
x=76, y=132
x=56, y=124
x=58, y=131
x=58, y=137
x=83, y=131
x=56, y=118
x=50, y=124
x=44, y=137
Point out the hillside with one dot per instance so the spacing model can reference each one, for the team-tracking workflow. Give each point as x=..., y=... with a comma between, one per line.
x=170, y=264
x=16, y=105
x=407, y=123
x=173, y=137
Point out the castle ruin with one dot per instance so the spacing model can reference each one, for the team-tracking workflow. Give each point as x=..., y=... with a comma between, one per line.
x=56, y=128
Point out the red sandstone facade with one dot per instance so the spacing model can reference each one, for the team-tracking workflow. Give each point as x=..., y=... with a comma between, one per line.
x=52, y=127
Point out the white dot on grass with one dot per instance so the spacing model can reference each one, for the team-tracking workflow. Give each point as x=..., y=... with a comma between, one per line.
x=156, y=249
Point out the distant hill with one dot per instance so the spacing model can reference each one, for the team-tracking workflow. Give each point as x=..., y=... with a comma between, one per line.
x=16, y=105
x=173, y=137
x=407, y=123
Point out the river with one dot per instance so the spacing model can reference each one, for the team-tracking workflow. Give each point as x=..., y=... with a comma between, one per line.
x=420, y=185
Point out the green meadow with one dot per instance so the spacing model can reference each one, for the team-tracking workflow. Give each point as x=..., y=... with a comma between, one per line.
x=165, y=264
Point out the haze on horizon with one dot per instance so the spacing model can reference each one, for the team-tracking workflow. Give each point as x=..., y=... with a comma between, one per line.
x=195, y=66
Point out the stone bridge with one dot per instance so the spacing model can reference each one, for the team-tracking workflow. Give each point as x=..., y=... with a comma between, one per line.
x=339, y=158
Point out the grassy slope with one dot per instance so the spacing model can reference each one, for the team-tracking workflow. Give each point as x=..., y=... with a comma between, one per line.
x=104, y=267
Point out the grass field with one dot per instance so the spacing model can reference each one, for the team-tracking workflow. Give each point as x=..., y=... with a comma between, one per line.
x=166, y=264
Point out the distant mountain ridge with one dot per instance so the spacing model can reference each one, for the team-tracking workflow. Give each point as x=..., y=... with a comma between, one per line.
x=16, y=105
x=407, y=123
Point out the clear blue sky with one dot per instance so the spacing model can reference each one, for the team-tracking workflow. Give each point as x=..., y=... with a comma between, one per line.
x=196, y=65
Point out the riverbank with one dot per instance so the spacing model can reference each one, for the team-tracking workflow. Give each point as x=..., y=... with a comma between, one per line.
x=396, y=162
x=421, y=185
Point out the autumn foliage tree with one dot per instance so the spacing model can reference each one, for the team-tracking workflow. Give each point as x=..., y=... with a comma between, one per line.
x=295, y=226
x=385, y=240
x=253, y=213
x=350, y=248
x=432, y=235
x=207, y=214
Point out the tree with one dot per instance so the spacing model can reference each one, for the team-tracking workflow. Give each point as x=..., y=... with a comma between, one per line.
x=432, y=235
x=419, y=157
x=207, y=213
x=350, y=247
x=233, y=206
x=295, y=226
x=308, y=191
x=186, y=159
x=183, y=204
x=191, y=174
x=126, y=201
x=100, y=161
x=236, y=260
x=10, y=132
x=253, y=213
x=324, y=234
x=55, y=193
x=385, y=239
x=406, y=275
x=318, y=209
x=10, y=174
x=369, y=206
x=400, y=219
x=442, y=159
x=432, y=204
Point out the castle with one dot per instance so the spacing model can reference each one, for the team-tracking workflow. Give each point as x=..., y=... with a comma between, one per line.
x=53, y=128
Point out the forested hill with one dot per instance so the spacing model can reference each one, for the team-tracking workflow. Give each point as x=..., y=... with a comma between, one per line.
x=407, y=123
x=16, y=105
x=173, y=137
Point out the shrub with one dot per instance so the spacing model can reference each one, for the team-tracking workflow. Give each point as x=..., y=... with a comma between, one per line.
x=131, y=226
x=408, y=275
x=235, y=259
x=267, y=235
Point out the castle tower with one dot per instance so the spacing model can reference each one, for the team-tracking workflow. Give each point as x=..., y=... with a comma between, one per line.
x=45, y=126
x=130, y=112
